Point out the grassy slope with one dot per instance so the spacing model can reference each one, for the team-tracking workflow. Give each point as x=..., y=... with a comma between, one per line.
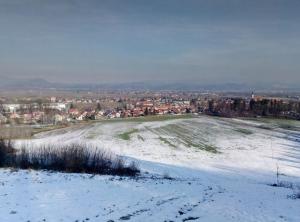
x=126, y=135
x=147, y=118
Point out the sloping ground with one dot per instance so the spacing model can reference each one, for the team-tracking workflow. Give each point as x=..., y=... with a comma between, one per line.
x=38, y=196
x=252, y=145
x=222, y=170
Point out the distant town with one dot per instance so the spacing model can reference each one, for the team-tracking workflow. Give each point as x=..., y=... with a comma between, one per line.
x=60, y=110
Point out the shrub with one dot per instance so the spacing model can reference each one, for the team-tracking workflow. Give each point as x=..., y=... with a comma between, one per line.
x=166, y=176
x=6, y=152
x=73, y=158
x=295, y=196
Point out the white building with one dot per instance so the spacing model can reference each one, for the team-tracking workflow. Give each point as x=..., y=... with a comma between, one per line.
x=11, y=108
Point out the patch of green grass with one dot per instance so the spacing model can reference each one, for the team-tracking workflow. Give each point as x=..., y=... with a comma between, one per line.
x=210, y=148
x=164, y=140
x=202, y=146
x=270, y=123
x=149, y=118
x=244, y=131
x=184, y=136
x=126, y=135
x=265, y=127
x=288, y=126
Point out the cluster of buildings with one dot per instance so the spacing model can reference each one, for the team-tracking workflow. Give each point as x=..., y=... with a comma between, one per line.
x=31, y=113
x=63, y=110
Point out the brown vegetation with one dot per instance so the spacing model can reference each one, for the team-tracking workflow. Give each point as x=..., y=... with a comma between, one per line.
x=73, y=158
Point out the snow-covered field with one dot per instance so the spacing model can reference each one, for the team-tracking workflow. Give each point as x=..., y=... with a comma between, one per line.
x=221, y=169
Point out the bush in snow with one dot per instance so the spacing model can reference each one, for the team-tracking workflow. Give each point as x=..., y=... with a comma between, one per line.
x=73, y=158
x=6, y=152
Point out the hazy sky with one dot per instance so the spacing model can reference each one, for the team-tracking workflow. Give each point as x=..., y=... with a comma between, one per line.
x=211, y=41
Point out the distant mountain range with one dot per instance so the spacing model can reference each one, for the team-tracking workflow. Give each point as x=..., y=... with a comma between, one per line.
x=42, y=84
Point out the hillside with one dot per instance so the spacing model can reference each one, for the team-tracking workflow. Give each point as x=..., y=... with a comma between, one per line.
x=195, y=169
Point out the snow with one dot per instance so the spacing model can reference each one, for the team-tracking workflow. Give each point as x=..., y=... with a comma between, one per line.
x=232, y=185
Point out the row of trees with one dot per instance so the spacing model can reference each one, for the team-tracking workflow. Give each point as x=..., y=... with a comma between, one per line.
x=264, y=107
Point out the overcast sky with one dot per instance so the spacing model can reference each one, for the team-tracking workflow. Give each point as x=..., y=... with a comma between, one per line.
x=99, y=41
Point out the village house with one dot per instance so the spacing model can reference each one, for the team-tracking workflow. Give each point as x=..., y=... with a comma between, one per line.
x=58, y=118
x=14, y=116
x=55, y=106
x=11, y=108
x=38, y=115
x=53, y=99
x=74, y=112
x=82, y=116
x=27, y=118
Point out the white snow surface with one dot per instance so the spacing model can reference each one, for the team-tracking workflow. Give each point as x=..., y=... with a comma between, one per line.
x=231, y=185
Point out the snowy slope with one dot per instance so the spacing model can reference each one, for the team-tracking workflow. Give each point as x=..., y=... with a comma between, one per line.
x=231, y=185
